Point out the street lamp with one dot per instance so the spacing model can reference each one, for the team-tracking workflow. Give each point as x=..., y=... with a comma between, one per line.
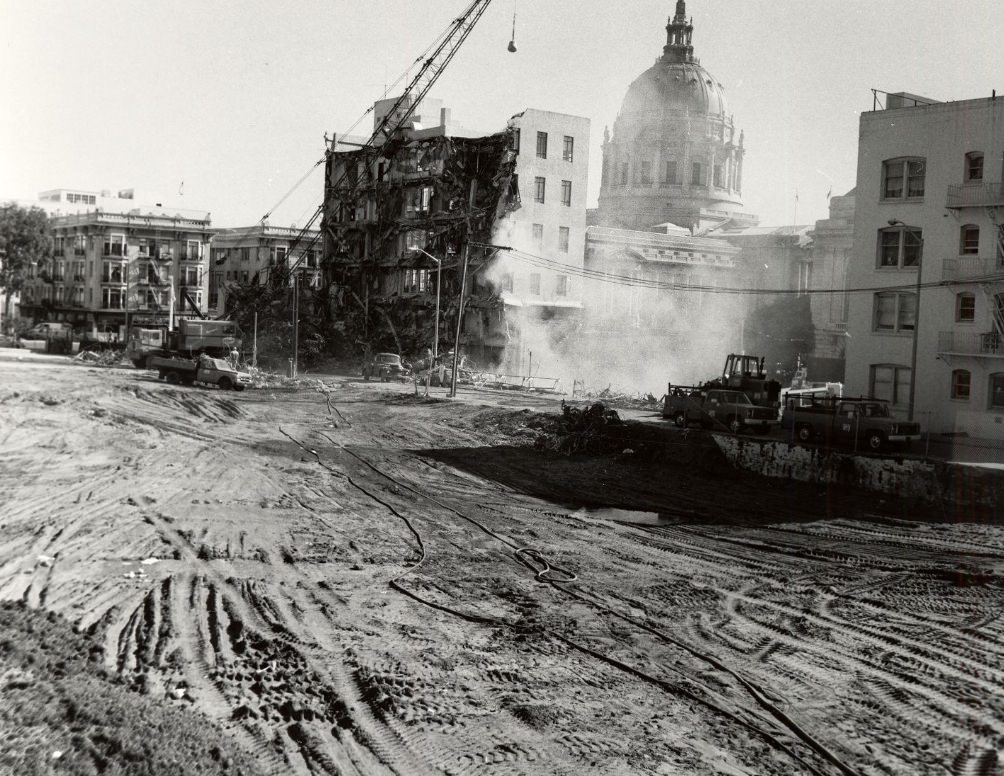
x=439, y=277
x=916, y=316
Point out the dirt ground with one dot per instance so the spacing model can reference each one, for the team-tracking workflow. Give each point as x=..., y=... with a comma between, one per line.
x=352, y=581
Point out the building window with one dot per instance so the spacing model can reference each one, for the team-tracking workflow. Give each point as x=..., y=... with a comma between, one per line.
x=507, y=282
x=415, y=281
x=79, y=244
x=111, y=272
x=193, y=250
x=535, y=283
x=997, y=391
x=114, y=245
x=538, y=235
x=974, y=166
x=903, y=178
x=624, y=173
x=695, y=175
x=191, y=276
x=277, y=255
x=563, y=239
x=244, y=276
x=890, y=382
x=561, y=286
x=895, y=311
x=541, y=145
x=515, y=140
x=965, y=308
x=899, y=247
x=669, y=173
x=960, y=384
x=111, y=298
x=245, y=254
x=568, y=148
x=566, y=193
x=539, y=185
x=645, y=173
x=718, y=175
x=414, y=238
x=969, y=240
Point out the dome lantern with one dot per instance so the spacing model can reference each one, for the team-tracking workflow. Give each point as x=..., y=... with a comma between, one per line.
x=679, y=33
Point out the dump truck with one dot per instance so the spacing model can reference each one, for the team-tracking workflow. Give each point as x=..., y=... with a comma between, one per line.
x=190, y=339
x=862, y=423
x=716, y=407
x=204, y=369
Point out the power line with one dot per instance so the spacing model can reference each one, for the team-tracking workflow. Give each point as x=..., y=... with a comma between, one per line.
x=653, y=283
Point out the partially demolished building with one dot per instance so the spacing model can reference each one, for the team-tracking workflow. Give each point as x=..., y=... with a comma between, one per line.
x=391, y=212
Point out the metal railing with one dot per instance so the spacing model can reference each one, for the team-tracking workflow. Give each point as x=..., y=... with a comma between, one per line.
x=971, y=268
x=974, y=195
x=988, y=343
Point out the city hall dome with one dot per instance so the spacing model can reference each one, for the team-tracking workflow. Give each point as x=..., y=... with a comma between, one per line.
x=675, y=86
x=674, y=155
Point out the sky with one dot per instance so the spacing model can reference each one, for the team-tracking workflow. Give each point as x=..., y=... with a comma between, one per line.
x=223, y=106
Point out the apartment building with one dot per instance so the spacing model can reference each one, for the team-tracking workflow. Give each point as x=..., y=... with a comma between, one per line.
x=254, y=254
x=926, y=278
x=117, y=264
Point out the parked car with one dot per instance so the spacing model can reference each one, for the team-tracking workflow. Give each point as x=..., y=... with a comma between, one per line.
x=386, y=366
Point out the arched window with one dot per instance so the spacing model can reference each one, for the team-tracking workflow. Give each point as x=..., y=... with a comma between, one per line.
x=969, y=240
x=903, y=178
x=899, y=247
x=974, y=166
x=965, y=307
x=961, y=379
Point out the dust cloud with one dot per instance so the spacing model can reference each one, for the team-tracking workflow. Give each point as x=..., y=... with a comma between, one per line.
x=618, y=336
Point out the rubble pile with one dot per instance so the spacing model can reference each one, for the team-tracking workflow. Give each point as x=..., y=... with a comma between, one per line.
x=101, y=357
x=583, y=431
x=615, y=397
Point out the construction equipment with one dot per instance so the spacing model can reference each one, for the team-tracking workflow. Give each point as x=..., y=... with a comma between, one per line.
x=191, y=338
x=746, y=373
x=442, y=52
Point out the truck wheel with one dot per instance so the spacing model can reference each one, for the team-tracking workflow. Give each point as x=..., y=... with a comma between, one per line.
x=680, y=419
x=173, y=377
x=736, y=425
x=876, y=440
x=805, y=433
x=225, y=383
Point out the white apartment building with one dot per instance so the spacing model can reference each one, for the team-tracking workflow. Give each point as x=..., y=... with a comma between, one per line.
x=926, y=277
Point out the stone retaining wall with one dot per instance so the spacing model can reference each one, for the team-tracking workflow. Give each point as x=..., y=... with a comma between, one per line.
x=959, y=488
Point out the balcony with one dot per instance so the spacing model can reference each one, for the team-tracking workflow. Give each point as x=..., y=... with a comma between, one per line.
x=953, y=343
x=971, y=268
x=975, y=195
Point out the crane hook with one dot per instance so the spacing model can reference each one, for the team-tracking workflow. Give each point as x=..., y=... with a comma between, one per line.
x=512, y=42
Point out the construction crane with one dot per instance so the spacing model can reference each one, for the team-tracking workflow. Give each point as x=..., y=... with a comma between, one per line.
x=442, y=53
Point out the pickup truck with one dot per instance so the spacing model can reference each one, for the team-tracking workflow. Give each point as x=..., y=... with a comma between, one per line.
x=211, y=371
x=710, y=407
x=858, y=423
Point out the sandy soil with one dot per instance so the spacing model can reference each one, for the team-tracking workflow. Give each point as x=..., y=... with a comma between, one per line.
x=351, y=581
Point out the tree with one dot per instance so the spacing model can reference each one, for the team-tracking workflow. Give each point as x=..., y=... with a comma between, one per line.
x=24, y=238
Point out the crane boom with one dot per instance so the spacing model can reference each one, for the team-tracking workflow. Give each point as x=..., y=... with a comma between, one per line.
x=430, y=71
x=410, y=98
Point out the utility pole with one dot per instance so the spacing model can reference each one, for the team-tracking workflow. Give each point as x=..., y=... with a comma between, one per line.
x=463, y=287
x=296, y=323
